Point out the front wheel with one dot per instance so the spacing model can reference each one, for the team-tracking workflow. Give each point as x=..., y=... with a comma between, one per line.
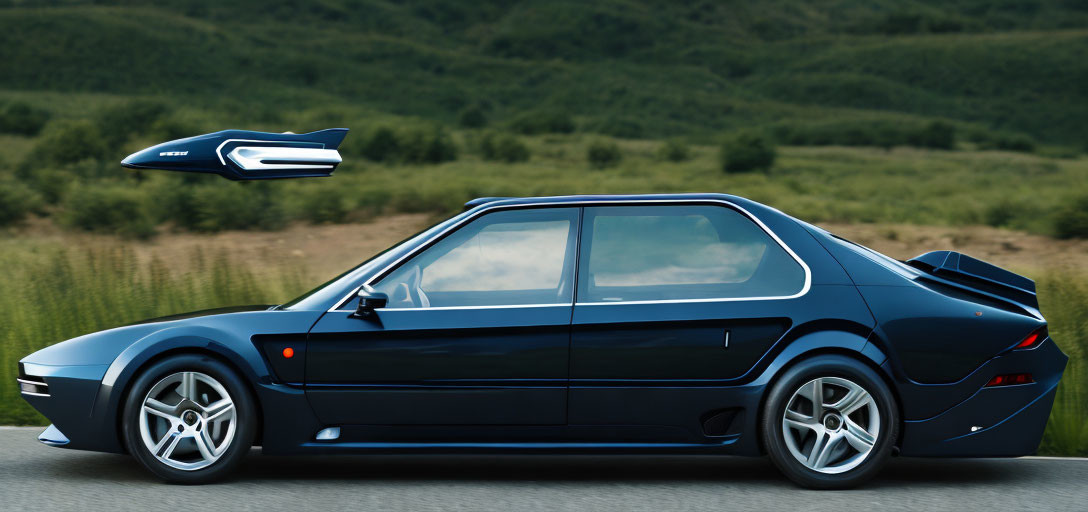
x=829, y=422
x=189, y=419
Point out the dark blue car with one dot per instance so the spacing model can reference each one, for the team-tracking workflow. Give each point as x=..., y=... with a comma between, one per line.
x=678, y=324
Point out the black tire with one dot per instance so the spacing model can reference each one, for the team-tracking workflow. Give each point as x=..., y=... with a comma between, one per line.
x=245, y=417
x=773, y=437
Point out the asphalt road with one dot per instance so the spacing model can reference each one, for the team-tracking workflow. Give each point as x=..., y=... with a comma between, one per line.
x=36, y=477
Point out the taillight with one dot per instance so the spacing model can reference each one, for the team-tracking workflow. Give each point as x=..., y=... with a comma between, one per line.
x=1032, y=340
x=1010, y=380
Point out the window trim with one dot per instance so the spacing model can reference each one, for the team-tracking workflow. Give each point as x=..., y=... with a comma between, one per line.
x=581, y=204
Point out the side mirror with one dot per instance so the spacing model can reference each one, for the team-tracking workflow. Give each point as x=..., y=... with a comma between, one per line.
x=369, y=300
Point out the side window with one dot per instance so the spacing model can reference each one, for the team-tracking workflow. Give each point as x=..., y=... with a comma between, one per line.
x=512, y=257
x=646, y=253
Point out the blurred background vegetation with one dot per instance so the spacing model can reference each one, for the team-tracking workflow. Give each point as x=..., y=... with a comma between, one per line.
x=953, y=113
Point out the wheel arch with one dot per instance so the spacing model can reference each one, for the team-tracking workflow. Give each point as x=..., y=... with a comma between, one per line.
x=112, y=401
x=830, y=342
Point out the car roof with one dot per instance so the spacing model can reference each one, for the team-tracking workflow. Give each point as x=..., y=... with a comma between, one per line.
x=515, y=201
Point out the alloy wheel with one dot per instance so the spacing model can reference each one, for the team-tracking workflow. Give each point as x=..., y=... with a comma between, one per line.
x=831, y=424
x=188, y=420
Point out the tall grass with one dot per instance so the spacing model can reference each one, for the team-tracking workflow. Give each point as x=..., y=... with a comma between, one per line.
x=1064, y=298
x=49, y=295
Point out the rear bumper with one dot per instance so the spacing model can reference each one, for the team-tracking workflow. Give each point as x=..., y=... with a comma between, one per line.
x=1006, y=421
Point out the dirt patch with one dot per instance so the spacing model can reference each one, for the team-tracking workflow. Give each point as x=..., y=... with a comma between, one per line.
x=1015, y=250
x=320, y=252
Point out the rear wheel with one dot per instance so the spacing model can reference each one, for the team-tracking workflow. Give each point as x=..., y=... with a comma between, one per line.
x=829, y=422
x=189, y=419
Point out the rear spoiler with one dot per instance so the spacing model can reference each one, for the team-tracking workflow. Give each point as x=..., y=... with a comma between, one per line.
x=246, y=155
x=978, y=274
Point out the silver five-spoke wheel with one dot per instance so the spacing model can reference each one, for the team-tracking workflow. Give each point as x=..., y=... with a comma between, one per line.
x=830, y=424
x=188, y=420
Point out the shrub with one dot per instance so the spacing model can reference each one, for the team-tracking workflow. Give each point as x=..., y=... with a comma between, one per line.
x=16, y=201
x=321, y=202
x=747, y=152
x=935, y=135
x=239, y=206
x=603, y=154
x=542, y=121
x=1015, y=142
x=473, y=117
x=504, y=148
x=64, y=142
x=118, y=123
x=110, y=209
x=22, y=119
x=880, y=133
x=427, y=146
x=175, y=201
x=48, y=183
x=381, y=145
x=173, y=127
x=412, y=145
x=623, y=128
x=674, y=150
x=1072, y=220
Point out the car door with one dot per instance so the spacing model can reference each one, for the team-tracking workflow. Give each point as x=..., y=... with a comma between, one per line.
x=476, y=331
x=670, y=298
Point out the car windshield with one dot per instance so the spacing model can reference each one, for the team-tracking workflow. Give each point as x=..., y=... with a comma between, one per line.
x=335, y=287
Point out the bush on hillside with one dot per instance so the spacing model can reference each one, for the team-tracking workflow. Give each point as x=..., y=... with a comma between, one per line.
x=472, y=117
x=64, y=142
x=884, y=134
x=603, y=154
x=1005, y=141
x=502, y=147
x=426, y=146
x=16, y=201
x=537, y=122
x=172, y=127
x=935, y=135
x=381, y=144
x=747, y=152
x=622, y=127
x=119, y=122
x=175, y=201
x=410, y=145
x=899, y=23
x=115, y=209
x=1072, y=220
x=320, y=202
x=22, y=119
x=674, y=150
x=243, y=206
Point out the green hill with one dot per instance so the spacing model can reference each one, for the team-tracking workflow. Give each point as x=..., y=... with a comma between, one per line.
x=630, y=68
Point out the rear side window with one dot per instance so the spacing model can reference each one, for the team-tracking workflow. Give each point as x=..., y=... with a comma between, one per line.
x=648, y=253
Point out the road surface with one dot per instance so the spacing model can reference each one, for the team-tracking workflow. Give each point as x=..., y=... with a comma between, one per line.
x=34, y=477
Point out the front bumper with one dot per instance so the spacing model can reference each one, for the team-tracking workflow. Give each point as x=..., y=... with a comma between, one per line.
x=1005, y=421
x=67, y=400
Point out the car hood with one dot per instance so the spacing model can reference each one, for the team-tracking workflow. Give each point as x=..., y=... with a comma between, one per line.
x=100, y=348
x=203, y=312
